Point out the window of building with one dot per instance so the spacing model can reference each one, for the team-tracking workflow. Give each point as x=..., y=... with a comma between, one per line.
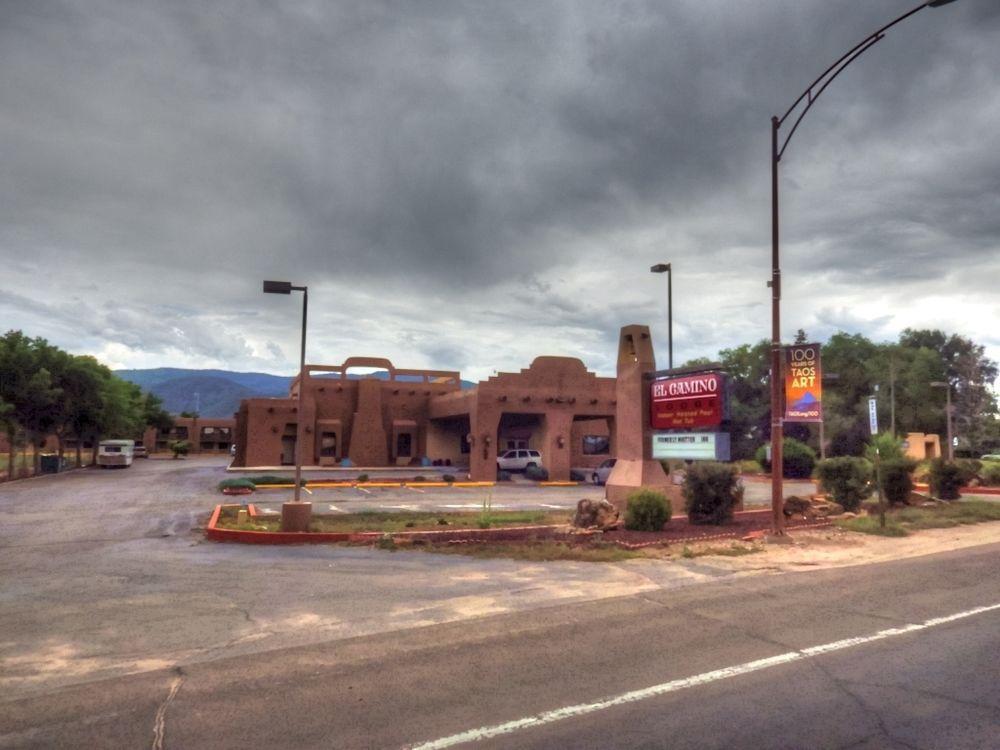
x=404, y=444
x=328, y=445
x=513, y=444
x=596, y=445
x=464, y=446
x=181, y=433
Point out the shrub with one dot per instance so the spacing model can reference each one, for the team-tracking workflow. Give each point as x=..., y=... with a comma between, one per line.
x=503, y=475
x=448, y=478
x=646, y=510
x=798, y=459
x=945, y=479
x=180, y=448
x=897, y=482
x=711, y=492
x=847, y=479
x=969, y=469
x=266, y=479
x=990, y=473
x=537, y=473
x=362, y=478
x=419, y=478
x=889, y=447
x=234, y=483
x=576, y=476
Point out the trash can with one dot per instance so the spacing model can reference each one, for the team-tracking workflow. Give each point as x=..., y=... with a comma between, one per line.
x=48, y=463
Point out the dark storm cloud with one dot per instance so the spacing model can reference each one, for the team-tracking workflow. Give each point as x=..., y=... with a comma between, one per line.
x=486, y=162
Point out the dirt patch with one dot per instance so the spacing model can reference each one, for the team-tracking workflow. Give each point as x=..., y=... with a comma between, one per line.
x=832, y=547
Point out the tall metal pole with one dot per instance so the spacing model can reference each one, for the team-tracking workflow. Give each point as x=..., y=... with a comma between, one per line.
x=951, y=444
x=670, y=317
x=300, y=422
x=777, y=429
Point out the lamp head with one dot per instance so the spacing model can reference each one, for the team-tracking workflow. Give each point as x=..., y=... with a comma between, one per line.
x=660, y=268
x=277, y=287
x=938, y=3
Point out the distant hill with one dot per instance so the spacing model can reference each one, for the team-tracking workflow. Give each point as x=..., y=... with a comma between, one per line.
x=219, y=392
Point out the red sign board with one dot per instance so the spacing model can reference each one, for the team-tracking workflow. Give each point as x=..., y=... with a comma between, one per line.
x=689, y=401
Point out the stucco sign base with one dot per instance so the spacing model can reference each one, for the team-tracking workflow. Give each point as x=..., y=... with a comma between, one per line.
x=630, y=475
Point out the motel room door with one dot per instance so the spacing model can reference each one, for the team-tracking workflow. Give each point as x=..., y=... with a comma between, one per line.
x=287, y=450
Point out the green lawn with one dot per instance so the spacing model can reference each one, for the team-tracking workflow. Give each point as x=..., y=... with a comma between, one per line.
x=401, y=521
x=901, y=521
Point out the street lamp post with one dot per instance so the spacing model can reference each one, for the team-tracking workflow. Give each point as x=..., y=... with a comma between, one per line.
x=285, y=287
x=665, y=268
x=809, y=97
x=947, y=390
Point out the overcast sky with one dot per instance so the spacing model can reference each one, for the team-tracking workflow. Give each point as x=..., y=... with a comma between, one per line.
x=469, y=185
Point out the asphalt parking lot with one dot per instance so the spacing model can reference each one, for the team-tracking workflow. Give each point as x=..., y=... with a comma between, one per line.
x=108, y=572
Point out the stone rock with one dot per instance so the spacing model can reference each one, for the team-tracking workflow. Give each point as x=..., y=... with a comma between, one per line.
x=797, y=506
x=827, y=508
x=599, y=514
x=848, y=514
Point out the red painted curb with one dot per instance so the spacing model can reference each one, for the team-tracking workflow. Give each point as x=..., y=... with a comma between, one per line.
x=460, y=536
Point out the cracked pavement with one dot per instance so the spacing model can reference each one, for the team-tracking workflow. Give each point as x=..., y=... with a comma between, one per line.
x=170, y=641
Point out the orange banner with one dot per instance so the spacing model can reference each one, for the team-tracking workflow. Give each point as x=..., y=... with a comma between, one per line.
x=803, y=384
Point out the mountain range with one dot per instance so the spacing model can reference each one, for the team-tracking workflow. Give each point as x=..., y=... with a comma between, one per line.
x=216, y=393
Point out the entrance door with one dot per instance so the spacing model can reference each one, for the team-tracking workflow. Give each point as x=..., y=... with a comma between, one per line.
x=287, y=450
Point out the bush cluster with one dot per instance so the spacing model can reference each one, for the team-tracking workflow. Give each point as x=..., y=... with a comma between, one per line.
x=847, y=479
x=537, y=473
x=646, y=510
x=711, y=492
x=897, y=479
x=946, y=478
x=798, y=459
x=990, y=473
x=968, y=469
x=448, y=478
x=265, y=479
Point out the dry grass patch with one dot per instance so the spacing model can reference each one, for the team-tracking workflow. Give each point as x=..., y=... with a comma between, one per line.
x=901, y=521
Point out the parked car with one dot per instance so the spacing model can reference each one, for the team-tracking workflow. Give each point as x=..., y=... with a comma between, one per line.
x=602, y=472
x=518, y=460
x=990, y=457
x=140, y=451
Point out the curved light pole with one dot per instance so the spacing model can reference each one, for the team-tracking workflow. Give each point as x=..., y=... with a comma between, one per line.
x=778, y=146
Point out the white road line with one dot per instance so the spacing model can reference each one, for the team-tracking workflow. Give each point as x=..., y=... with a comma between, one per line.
x=402, y=507
x=335, y=509
x=306, y=489
x=414, y=489
x=463, y=505
x=362, y=489
x=555, y=507
x=581, y=709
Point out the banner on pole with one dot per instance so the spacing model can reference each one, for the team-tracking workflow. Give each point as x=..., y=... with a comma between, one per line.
x=803, y=384
x=873, y=415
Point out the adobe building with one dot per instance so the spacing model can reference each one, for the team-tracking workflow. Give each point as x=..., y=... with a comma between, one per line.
x=555, y=406
x=203, y=434
x=922, y=447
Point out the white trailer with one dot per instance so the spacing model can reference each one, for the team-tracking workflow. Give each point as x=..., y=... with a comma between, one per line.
x=115, y=453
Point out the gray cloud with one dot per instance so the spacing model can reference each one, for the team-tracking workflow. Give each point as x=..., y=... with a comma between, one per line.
x=469, y=185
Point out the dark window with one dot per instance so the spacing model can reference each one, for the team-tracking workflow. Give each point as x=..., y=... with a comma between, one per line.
x=404, y=443
x=328, y=444
x=181, y=433
x=463, y=442
x=596, y=445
